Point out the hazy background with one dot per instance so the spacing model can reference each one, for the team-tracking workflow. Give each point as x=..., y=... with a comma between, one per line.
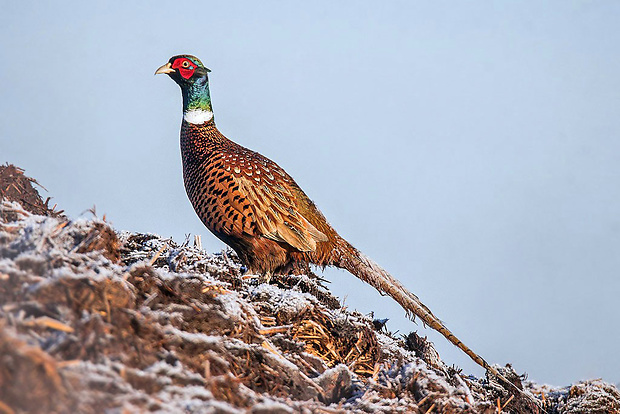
x=470, y=148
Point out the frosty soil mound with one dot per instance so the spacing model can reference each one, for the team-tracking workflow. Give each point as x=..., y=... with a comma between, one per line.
x=92, y=319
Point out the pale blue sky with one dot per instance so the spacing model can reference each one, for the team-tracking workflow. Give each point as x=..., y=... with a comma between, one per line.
x=471, y=148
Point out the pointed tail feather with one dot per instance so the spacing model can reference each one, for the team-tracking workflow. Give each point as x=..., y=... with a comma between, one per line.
x=364, y=268
x=370, y=272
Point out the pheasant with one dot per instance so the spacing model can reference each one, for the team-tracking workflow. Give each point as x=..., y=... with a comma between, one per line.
x=256, y=208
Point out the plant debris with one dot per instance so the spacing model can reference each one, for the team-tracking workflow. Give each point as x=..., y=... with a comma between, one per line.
x=92, y=319
x=15, y=186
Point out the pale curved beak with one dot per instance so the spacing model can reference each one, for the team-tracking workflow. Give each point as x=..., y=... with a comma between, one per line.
x=167, y=68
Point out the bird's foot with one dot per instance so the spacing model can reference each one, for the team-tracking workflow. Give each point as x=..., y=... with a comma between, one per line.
x=265, y=277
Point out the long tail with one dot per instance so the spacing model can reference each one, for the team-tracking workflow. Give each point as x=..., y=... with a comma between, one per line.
x=360, y=265
x=370, y=272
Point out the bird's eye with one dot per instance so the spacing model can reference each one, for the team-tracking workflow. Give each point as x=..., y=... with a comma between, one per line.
x=185, y=64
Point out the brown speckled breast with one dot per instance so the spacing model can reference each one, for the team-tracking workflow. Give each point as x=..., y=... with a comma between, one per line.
x=250, y=203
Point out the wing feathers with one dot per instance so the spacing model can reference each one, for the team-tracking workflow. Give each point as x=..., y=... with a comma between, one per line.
x=276, y=214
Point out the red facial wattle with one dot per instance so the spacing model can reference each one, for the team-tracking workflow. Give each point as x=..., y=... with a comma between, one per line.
x=185, y=67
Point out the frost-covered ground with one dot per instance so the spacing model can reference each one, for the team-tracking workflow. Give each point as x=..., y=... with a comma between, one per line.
x=95, y=320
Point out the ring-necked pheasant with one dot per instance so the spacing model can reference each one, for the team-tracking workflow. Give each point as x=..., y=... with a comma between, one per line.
x=256, y=208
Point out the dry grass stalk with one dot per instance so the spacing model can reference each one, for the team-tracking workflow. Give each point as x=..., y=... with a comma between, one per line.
x=5, y=409
x=430, y=409
x=323, y=339
x=47, y=322
x=267, y=320
x=501, y=407
x=156, y=256
x=218, y=289
x=274, y=330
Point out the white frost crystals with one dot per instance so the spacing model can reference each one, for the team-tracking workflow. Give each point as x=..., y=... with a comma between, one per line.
x=197, y=116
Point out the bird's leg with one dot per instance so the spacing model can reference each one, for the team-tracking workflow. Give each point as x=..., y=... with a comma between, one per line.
x=265, y=277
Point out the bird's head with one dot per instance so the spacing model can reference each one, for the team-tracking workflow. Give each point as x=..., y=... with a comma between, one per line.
x=184, y=70
x=191, y=75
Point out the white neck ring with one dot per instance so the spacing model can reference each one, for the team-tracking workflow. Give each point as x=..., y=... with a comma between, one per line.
x=197, y=116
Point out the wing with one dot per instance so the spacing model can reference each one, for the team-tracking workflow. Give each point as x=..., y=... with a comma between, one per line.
x=262, y=194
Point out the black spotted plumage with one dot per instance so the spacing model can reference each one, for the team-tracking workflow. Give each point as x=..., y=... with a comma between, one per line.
x=250, y=203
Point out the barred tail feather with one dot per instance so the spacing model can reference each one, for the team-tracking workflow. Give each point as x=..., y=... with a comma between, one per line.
x=351, y=259
x=370, y=272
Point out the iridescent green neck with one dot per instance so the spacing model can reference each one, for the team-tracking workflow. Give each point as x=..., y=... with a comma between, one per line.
x=197, y=102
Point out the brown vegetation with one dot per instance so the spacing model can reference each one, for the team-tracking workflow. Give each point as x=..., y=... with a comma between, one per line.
x=93, y=320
